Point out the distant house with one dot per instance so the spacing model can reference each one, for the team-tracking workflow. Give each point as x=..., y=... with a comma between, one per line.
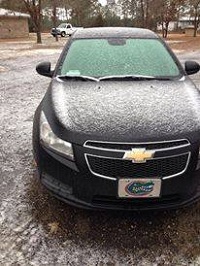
x=181, y=24
x=13, y=24
x=185, y=22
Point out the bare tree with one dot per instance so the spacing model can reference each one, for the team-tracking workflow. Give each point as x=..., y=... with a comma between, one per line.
x=130, y=9
x=194, y=10
x=15, y=5
x=34, y=9
x=67, y=6
x=144, y=11
x=167, y=11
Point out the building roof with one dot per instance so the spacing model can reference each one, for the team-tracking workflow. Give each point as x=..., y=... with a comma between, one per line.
x=11, y=13
x=114, y=32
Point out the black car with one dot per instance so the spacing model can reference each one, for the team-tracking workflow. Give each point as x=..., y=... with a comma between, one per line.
x=119, y=126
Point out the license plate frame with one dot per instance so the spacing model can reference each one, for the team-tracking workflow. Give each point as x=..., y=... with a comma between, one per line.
x=139, y=187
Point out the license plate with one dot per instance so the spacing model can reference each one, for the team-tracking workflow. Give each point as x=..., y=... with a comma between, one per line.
x=139, y=188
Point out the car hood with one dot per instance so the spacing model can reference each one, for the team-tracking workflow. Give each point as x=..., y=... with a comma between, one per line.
x=123, y=111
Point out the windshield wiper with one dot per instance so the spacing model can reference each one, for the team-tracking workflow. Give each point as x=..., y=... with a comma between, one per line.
x=78, y=77
x=128, y=77
x=125, y=77
x=133, y=77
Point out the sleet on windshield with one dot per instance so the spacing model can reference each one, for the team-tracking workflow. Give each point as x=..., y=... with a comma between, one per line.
x=119, y=57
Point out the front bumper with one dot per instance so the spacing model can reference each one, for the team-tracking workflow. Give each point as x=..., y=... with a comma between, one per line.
x=64, y=193
x=83, y=189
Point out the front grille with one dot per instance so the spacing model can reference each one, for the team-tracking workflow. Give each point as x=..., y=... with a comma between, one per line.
x=116, y=168
x=129, y=146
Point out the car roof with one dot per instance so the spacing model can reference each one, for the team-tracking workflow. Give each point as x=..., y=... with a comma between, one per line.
x=114, y=32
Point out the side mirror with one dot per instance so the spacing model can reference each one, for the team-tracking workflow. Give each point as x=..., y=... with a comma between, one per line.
x=191, y=67
x=44, y=69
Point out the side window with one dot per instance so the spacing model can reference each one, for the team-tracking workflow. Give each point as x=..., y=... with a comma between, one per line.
x=68, y=26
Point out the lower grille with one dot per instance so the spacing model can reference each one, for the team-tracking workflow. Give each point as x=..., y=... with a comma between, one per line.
x=130, y=203
x=116, y=168
x=114, y=200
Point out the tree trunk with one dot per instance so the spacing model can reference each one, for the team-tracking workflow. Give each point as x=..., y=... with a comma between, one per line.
x=163, y=30
x=39, y=37
x=195, y=22
x=67, y=12
x=166, y=29
x=147, y=15
x=55, y=18
x=142, y=13
x=165, y=26
x=34, y=9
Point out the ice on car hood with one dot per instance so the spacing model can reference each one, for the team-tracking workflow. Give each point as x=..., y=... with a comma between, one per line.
x=127, y=110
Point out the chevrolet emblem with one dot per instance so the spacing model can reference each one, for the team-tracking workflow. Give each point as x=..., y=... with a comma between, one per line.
x=140, y=155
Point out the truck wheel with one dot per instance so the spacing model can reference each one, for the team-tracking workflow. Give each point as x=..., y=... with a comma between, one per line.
x=63, y=34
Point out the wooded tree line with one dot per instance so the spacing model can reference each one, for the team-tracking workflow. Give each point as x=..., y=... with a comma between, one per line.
x=90, y=13
x=148, y=13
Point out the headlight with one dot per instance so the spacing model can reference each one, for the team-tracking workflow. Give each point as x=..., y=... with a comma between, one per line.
x=52, y=141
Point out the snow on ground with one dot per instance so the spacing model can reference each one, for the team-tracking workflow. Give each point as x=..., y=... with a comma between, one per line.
x=37, y=229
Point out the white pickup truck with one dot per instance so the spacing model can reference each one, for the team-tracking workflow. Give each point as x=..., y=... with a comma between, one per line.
x=64, y=29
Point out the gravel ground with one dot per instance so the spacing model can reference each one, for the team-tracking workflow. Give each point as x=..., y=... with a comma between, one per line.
x=37, y=229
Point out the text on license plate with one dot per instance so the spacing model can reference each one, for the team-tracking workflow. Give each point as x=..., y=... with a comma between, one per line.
x=139, y=188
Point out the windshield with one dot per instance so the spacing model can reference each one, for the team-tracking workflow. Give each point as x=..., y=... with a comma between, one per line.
x=63, y=25
x=119, y=57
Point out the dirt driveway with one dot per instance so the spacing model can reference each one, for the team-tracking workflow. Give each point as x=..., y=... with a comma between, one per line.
x=36, y=228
